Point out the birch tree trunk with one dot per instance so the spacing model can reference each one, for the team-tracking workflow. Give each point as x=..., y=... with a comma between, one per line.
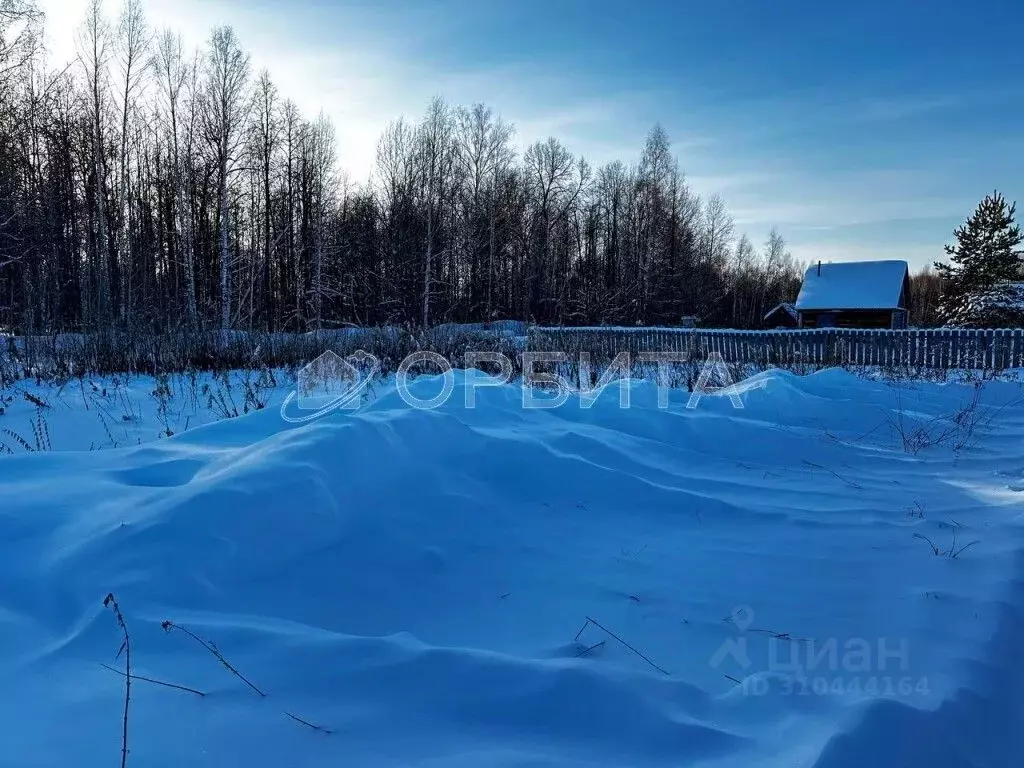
x=227, y=72
x=225, y=270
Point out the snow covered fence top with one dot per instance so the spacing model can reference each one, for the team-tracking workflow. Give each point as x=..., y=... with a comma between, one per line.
x=936, y=348
x=853, y=285
x=501, y=327
x=978, y=349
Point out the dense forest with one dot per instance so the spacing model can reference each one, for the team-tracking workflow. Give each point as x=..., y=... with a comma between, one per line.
x=142, y=184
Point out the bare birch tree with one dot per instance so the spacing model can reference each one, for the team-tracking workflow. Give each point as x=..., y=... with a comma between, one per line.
x=132, y=47
x=172, y=74
x=93, y=43
x=227, y=71
x=435, y=146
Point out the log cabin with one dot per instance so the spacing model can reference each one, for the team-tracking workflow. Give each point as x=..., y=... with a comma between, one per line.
x=855, y=294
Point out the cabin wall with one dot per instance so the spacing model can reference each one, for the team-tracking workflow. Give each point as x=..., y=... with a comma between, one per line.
x=905, y=294
x=848, y=318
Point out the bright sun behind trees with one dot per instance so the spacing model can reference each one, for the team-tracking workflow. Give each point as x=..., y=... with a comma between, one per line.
x=155, y=187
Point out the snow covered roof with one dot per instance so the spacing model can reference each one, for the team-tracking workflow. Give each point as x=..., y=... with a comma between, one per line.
x=853, y=285
x=786, y=307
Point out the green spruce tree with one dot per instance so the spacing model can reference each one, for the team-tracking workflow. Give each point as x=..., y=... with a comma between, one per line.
x=979, y=284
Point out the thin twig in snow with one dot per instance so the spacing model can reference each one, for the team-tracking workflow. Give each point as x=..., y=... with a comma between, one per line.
x=298, y=719
x=168, y=626
x=582, y=629
x=627, y=645
x=849, y=482
x=126, y=647
x=154, y=681
x=585, y=651
x=780, y=635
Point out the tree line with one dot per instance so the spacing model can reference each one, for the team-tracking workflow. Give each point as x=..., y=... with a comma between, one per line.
x=148, y=185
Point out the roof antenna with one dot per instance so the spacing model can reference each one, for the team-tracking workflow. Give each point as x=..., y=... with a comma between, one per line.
x=819, y=267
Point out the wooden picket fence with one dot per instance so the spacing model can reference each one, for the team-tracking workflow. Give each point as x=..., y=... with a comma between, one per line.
x=936, y=348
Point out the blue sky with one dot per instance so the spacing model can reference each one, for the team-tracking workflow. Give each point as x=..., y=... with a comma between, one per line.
x=861, y=130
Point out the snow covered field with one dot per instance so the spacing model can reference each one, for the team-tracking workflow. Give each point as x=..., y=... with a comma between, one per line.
x=782, y=585
x=100, y=413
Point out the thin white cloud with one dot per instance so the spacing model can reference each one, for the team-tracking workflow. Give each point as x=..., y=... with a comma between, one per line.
x=917, y=255
x=724, y=183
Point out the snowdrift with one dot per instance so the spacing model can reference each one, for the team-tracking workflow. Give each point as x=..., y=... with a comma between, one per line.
x=506, y=587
